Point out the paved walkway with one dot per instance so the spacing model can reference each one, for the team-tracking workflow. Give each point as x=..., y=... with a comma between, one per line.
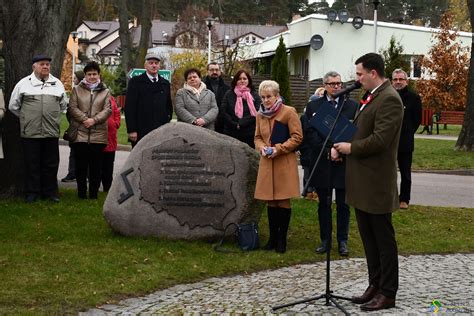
x=423, y=279
x=434, y=136
x=446, y=278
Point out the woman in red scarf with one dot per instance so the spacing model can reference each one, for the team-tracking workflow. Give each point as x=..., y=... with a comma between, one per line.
x=238, y=108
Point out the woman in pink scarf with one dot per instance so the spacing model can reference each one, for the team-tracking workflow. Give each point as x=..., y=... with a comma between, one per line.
x=239, y=108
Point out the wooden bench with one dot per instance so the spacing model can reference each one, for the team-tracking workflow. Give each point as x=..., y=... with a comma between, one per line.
x=448, y=117
x=427, y=120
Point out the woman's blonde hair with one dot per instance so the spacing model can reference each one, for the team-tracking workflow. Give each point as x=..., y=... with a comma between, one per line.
x=319, y=91
x=271, y=85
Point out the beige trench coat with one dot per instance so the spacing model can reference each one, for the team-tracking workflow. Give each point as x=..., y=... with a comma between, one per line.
x=278, y=177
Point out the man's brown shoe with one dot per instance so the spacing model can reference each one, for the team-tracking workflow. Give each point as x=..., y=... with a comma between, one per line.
x=379, y=302
x=403, y=205
x=367, y=296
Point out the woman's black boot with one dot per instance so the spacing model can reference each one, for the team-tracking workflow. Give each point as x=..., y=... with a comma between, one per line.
x=273, y=228
x=284, y=215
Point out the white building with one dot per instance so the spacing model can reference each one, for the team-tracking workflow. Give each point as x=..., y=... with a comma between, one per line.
x=343, y=44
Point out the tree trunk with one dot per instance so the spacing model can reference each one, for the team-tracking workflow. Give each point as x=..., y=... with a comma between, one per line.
x=124, y=35
x=466, y=137
x=29, y=28
x=145, y=23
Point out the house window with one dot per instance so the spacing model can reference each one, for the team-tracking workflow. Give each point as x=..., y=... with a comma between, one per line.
x=93, y=51
x=415, y=66
x=254, y=39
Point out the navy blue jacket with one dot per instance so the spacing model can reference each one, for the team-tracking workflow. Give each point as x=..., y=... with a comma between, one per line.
x=313, y=142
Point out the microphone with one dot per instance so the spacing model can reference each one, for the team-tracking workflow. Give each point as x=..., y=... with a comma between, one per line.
x=355, y=85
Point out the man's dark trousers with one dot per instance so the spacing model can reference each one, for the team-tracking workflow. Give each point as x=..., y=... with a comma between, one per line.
x=378, y=238
x=404, y=165
x=41, y=166
x=324, y=214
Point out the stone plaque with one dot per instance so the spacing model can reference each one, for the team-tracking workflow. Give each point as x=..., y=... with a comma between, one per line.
x=183, y=181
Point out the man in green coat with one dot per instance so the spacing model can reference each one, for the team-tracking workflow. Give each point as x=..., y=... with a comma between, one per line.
x=371, y=179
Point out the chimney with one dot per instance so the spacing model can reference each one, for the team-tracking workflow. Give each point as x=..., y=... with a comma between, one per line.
x=295, y=17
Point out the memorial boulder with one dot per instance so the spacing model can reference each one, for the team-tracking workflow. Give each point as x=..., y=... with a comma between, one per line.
x=184, y=182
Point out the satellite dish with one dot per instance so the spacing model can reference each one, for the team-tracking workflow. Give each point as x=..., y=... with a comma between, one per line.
x=316, y=42
x=332, y=15
x=343, y=16
x=357, y=22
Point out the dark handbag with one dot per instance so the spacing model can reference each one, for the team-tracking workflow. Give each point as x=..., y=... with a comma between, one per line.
x=246, y=235
x=70, y=134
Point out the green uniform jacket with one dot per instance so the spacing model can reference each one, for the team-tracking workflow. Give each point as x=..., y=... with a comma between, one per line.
x=371, y=169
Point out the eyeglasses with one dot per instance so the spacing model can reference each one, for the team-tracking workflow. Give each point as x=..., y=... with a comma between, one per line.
x=398, y=79
x=214, y=69
x=334, y=84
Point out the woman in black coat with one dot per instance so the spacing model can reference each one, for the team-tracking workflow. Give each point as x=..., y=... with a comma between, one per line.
x=238, y=108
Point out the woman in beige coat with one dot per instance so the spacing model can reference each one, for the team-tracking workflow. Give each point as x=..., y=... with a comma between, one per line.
x=89, y=109
x=277, y=179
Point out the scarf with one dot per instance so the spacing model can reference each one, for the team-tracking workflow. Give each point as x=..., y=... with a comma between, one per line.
x=269, y=113
x=89, y=85
x=243, y=93
x=197, y=91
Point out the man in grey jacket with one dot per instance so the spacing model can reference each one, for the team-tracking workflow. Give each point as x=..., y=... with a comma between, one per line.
x=38, y=100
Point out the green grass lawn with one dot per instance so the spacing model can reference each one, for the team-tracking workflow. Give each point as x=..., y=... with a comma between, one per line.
x=63, y=258
x=432, y=154
x=451, y=130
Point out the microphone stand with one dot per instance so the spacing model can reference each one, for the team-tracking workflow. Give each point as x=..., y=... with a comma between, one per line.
x=328, y=294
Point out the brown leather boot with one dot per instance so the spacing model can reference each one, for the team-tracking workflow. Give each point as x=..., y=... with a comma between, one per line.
x=379, y=302
x=369, y=294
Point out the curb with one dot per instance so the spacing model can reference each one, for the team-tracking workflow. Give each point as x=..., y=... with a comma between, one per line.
x=459, y=172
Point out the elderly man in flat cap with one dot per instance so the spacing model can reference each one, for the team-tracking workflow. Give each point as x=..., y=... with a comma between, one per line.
x=148, y=102
x=38, y=100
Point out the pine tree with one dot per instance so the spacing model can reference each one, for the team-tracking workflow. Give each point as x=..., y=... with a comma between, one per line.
x=280, y=72
x=393, y=57
x=2, y=73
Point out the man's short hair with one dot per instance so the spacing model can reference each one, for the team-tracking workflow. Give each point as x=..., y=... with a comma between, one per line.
x=400, y=71
x=213, y=63
x=330, y=74
x=372, y=61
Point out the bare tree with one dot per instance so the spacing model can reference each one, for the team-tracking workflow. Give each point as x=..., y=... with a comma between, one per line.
x=29, y=28
x=124, y=34
x=466, y=137
x=145, y=18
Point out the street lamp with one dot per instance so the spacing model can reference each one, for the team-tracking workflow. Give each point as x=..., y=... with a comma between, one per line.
x=376, y=4
x=74, y=36
x=209, y=22
x=164, y=36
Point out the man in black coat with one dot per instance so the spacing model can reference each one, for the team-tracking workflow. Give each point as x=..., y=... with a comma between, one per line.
x=215, y=83
x=324, y=185
x=148, y=102
x=411, y=122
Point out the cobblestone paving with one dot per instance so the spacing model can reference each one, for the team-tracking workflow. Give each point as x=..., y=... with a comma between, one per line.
x=446, y=278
